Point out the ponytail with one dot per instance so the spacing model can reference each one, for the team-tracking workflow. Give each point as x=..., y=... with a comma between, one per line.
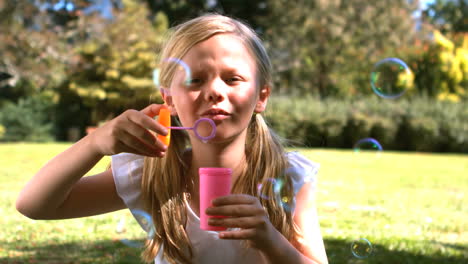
x=266, y=165
x=164, y=187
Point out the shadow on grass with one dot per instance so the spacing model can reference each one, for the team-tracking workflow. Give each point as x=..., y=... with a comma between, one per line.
x=339, y=251
x=107, y=251
x=103, y=251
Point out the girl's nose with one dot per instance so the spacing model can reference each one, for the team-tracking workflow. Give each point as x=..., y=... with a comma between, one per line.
x=216, y=91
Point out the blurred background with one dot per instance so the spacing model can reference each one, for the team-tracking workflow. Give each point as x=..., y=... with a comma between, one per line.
x=61, y=59
x=352, y=78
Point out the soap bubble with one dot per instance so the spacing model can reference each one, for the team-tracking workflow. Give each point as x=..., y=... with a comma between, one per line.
x=390, y=78
x=263, y=187
x=367, y=144
x=361, y=248
x=367, y=151
x=134, y=229
x=285, y=201
x=276, y=185
x=179, y=66
x=182, y=74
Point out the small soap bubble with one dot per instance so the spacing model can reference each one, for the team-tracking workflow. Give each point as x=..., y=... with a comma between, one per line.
x=361, y=248
x=182, y=75
x=133, y=229
x=391, y=78
x=367, y=144
x=262, y=188
x=284, y=200
x=367, y=151
x=286, y=203
x=276, y=185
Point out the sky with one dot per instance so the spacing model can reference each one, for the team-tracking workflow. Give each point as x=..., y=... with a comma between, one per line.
x=424, y=3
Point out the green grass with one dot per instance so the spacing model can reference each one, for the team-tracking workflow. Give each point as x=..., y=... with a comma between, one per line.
x=412, y=207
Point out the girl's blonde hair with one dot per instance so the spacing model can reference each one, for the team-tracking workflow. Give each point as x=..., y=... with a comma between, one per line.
x=165, y=182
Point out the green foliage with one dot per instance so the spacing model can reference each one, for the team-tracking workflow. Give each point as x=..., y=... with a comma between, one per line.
x=441, y=67
x=417, y=124
x=179, y=11
x=35, y=55
x=116, y=63
x=2, y=132
x=94, y=69
x=448, y=15
x=28, y=120
x=327, y=48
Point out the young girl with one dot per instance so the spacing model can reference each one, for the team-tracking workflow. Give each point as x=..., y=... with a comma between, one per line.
x=229, y=82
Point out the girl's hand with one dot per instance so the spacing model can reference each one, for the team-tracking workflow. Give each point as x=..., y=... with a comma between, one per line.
x=131, y=132
x=246, y=212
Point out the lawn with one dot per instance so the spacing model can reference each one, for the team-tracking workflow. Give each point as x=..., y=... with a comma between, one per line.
x=411, y=207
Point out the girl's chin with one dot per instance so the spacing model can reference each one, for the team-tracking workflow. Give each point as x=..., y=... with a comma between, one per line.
x=215, y=140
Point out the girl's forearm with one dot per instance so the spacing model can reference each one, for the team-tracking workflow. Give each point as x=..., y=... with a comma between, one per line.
x=281, y=251
x=47, y=190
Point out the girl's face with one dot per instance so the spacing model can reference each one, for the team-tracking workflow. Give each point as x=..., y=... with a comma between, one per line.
x=223, y=87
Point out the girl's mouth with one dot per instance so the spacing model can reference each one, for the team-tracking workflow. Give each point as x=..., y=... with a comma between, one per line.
x=216, y=114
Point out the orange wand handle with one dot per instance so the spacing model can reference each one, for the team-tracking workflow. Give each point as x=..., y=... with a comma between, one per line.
x=165, y=120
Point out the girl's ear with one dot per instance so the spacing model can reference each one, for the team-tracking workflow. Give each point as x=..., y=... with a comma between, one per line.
x=262, y=99
x=167, y=97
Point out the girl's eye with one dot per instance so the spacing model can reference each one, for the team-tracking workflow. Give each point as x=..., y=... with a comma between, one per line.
x=194, y=81
x=233, y=79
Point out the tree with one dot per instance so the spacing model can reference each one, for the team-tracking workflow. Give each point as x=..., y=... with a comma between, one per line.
x=448, y=15
x=328, y=47
x=114, y=67
x=441, y=67
x=179, y=11
x=38, y=46
x=35, y=57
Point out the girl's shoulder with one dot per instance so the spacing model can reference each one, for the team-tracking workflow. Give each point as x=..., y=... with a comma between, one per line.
x=301, y=170
x=124, y=158
x=127, y=170
x=127, y=165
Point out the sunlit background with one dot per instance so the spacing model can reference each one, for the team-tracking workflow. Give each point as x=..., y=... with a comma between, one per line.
x=374, y=91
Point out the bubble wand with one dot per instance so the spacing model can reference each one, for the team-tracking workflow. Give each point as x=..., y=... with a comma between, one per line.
x=165, y=120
